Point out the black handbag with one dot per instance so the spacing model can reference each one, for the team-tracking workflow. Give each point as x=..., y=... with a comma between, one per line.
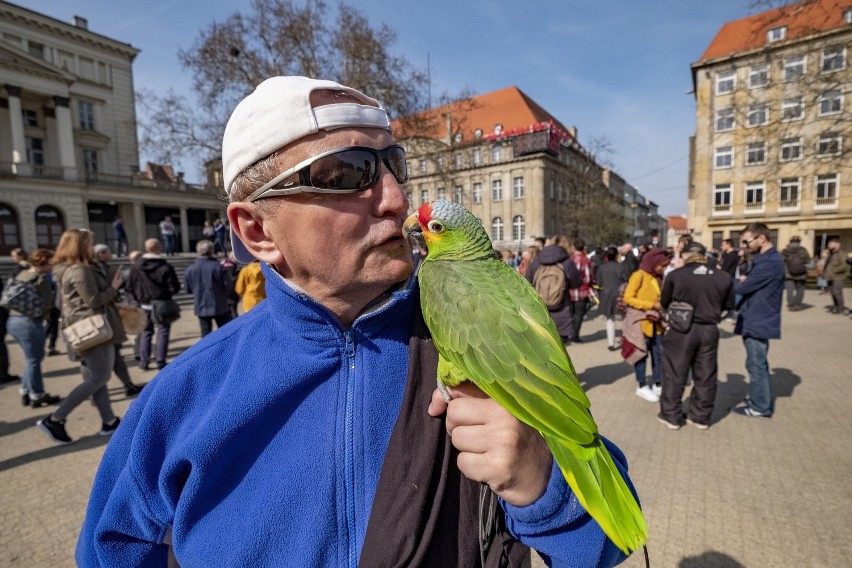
x=165, y=312
x=679, y=316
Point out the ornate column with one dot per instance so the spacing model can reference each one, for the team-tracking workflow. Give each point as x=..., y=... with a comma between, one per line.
x=16, y=127
x=184, y=230
x=65, y=137
x=138, y=227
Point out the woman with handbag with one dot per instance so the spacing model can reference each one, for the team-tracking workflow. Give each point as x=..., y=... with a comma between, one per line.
x=29, y=331
x=81, y=300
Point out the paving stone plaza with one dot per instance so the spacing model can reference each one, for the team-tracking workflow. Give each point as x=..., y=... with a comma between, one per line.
x=745, y=493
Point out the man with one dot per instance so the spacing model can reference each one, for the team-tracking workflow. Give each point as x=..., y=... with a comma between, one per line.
x=152, y=278
x=579, y=295
x=209, y=283
x=120, y=236
x=796, y=260
x=835, y=274
x=168, y=232
x=219, y=231
x=730, y=258
x=296, y=418
x=628, y=259
x=708, y=291
x=759, y=320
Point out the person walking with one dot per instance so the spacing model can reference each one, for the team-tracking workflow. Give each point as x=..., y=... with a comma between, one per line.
x=693, y=346
x=610, y=276
x=761, y=292
x=642, y=296
x=5, y=376
x=251, y=285
x=579, y=295
x=120, y=236
x=219, y=232
x=29, y=331
x=553, y=286
x=153, y=278
x=796, y=260
x=628, y=259
x=81, y=297
x=168, y=233
x=208, y=282
x=835, y=273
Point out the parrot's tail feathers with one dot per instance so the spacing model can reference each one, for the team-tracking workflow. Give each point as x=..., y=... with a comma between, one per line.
x=601, y=489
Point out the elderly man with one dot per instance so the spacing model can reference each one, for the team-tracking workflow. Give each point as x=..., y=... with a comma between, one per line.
x=314, y=420
x=209, y=283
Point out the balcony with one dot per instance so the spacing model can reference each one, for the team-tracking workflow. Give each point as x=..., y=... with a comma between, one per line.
x=825, y=203
x=722, y=210
x=755, y=208
x=25, y=169
x=789, y=206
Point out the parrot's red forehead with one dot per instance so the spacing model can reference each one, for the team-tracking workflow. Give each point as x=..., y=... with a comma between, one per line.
x=424, y=214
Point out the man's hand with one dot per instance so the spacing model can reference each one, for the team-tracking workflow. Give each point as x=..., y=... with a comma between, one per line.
x=495, y=447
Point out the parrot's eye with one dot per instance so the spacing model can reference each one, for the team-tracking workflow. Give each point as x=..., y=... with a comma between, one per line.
x=435, y=227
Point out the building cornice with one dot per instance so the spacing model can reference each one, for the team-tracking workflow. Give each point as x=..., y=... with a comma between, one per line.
x=17, y=60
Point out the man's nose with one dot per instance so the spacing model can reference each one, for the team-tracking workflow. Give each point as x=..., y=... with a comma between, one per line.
x=392, y=198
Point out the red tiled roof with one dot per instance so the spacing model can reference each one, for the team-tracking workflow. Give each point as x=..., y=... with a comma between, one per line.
x=802, y=19
x=158, y=172
x=677, y=223
x=510, y=107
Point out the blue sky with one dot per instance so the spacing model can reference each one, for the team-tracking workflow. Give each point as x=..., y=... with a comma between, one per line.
x=617, y=69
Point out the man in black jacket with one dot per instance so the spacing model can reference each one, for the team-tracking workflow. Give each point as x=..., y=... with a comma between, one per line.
x=709, y=291
x=152, y=278
x=796, y=260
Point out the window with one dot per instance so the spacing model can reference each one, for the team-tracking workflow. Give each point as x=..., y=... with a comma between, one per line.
x=35, y=49
x=65, y=60
x=758, y=114
x=754, y=196
x=722, y=198
x=424, y=196
x=518, y=227
x=756, y=153
x=442, y=193
x=497, y=229
x=726, y=82
x=833, y=58
x=496, y=190
x=459, y=195
x=477, y=192
x=440, y=162
x=777, y=34
x=552, y=188
x=35, y=151
x=724, y=157
x=830, y=102
x=87, y=68
x=90, y=161
x=13, y=39
x=847, y=16
x=87, y=115
x=30, y=117
x=793, y=109
x=826, y=191
x=458, y=159
x=758, y=76
x=518, y=188
x=789, y=191
x=476, y=157
x=496, y=153
x=791, y=149
x=829, y=144
x=422, y=166
x=725, y=120
x=794, y=67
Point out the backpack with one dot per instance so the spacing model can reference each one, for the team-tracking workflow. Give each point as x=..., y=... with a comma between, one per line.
x=549, y=281
x=796, y=265
x=22, y=297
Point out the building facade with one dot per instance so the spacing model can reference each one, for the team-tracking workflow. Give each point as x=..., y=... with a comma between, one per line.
x=772, y=136
x=68, y=149
x=516, y=167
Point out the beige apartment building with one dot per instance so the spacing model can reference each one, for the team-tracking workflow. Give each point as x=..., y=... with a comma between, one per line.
x=68, y=150
x=518, y=169
x=772, y=136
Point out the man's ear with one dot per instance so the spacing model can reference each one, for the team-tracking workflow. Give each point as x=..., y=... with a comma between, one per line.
x=247, y=222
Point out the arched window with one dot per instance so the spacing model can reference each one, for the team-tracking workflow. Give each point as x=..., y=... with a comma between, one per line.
x=518, y=228
x=496, y=229
x=49, y=224
x=10, y=229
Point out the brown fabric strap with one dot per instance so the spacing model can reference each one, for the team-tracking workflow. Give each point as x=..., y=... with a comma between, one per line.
x=425, y=512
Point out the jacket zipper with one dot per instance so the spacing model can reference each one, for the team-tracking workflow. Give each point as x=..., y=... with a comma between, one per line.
x=349, y=447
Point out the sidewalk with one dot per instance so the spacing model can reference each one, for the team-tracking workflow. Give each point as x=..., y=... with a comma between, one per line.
x=746, y=493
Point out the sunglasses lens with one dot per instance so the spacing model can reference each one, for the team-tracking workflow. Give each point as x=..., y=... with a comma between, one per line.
x=350, y=169
x=397, y=164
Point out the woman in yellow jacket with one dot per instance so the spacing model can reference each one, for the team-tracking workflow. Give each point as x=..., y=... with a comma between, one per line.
x=643, y=293
x=251, y=285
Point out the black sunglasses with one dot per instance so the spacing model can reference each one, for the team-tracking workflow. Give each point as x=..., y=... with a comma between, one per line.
x=344, y=170
x=747, y=241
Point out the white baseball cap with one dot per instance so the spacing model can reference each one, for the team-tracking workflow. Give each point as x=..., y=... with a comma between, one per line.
x=279, y=112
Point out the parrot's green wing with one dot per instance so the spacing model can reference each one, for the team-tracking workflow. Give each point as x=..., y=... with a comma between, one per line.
x=489, y=323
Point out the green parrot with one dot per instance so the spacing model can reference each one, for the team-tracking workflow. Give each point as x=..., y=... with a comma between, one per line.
x=490, y=327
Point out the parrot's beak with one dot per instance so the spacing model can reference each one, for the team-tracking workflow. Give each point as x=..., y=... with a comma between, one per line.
x=412, y=230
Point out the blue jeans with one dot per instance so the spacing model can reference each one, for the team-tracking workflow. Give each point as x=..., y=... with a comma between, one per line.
x=759, y=386
x=655, y=347
x=169, y=244
x=206, y=322
x=163, y=331
x=29, y=333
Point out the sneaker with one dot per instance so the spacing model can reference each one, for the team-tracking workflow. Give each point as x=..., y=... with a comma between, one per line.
x=9, y=379
x=746, y=410
x=132, y=390
x=698, y=425
x=612, y=348
x=667, y=424
x=45, y=400
x=161, y=365
x=52, y=353
x=658, y=389
x=647, y=393
x=108, y=429
x=56, y=430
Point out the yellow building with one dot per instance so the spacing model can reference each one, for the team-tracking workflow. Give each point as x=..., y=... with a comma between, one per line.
x=772, y=135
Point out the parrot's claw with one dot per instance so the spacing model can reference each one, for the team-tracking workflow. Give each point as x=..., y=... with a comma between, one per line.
x=445, y=392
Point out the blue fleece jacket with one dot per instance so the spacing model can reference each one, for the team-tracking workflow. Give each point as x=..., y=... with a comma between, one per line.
x=262, y=445
x=761, y=291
